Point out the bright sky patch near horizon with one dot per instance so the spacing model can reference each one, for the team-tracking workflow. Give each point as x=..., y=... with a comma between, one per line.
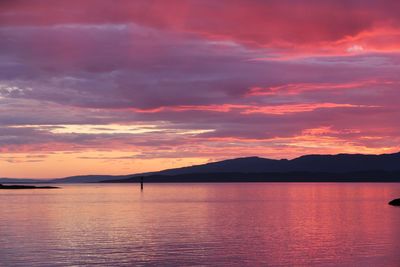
x=118, y=87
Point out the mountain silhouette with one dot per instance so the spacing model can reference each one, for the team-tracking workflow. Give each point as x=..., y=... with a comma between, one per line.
x=340, y=163
x=335, y=168
x=341, y=167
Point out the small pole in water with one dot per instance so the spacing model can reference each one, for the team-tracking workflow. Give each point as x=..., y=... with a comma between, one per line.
x=141, y=183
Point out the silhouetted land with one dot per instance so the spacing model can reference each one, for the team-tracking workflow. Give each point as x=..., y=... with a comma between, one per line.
x=26, y=187
x=309, y=168
x=267, y=177
x=395, y=202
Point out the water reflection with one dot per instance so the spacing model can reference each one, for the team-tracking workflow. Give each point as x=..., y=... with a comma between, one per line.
x=217, y=224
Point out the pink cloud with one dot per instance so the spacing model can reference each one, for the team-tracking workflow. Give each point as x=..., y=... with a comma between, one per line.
x=329, y=25
x=268, y=78
x=251, y=109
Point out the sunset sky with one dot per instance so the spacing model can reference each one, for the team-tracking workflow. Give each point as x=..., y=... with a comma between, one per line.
x=119, y=87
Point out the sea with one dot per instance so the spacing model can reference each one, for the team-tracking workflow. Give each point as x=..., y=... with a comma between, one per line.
x=195, y=224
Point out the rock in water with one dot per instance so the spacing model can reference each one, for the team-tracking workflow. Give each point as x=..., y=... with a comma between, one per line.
x=395, y=202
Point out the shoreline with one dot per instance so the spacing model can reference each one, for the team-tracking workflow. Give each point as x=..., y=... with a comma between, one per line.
x=16, y=187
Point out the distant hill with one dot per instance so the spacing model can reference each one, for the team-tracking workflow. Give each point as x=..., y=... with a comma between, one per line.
x=15, y=180
x=308, y=168
x=340, y=163
x=89, y=178
x=71, y=179
x=328, y=166
x=372, y=176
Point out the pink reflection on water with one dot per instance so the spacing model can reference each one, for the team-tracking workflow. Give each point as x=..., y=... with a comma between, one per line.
x=218, y=224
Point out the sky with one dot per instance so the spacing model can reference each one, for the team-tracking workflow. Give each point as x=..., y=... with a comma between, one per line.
x=128, y=86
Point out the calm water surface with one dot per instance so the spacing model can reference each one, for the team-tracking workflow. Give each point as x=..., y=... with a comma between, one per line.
x=201, y=224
